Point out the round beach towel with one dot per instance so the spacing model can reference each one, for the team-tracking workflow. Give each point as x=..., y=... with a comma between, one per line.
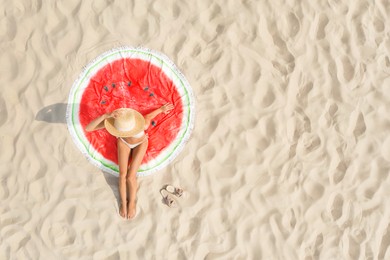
x=135, y=78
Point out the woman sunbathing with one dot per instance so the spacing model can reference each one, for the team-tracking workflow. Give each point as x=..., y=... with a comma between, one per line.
x=129, y=126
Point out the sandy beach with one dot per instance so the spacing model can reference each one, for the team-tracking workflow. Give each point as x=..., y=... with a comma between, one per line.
x=289, y=157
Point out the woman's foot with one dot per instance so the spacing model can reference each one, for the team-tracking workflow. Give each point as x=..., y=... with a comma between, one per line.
x=131, y=210
x=123, y=210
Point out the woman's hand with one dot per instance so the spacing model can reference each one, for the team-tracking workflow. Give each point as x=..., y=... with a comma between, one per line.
x=166, y=108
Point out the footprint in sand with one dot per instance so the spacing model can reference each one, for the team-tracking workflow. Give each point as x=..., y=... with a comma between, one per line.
x=318, y=31
x=357, y=125
x=268, y=98
x=345, y=70
x=289, y=220
x=359, y=35
x=335, y=206
x=328, y=117
x=337, y=175
x=318, y=243
x=347, y=216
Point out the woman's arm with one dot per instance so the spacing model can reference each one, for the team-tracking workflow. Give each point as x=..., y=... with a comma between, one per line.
x=163, y=109
x=97, y=123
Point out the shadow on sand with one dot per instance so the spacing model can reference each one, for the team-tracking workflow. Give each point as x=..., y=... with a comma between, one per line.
x=56, y=113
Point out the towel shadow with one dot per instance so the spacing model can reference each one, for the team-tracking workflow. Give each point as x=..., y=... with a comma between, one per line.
x=55, y=113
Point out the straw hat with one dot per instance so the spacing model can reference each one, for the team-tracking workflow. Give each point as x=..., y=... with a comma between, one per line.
x=129, y=123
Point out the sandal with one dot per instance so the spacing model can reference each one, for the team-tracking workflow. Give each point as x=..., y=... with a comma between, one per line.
x=178, y=192
x=167, y=199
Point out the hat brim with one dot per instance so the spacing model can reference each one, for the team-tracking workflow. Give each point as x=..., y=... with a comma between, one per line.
x=139, y=125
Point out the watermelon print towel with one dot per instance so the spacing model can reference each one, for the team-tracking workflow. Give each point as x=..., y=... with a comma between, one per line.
x=136, y=78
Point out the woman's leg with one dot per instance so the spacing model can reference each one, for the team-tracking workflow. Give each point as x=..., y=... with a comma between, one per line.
x=137, y=156
x=123, y=160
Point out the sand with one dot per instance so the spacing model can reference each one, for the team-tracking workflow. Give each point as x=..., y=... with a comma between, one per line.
x=290, y=153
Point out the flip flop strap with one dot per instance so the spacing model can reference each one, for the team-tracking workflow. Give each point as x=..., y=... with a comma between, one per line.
x=169, y=201
x=178, y=191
